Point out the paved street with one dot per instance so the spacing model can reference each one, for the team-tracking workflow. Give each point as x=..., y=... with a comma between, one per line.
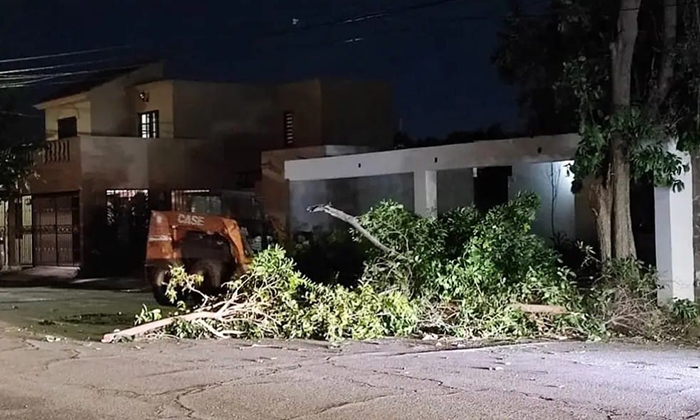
x=172, y=379
x=388, y=380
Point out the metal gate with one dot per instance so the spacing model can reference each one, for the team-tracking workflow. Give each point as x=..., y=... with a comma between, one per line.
x=3, y=233
x=56, y=220
x=23, y=231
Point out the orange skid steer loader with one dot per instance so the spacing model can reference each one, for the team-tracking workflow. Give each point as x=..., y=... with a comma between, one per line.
x=210, y=246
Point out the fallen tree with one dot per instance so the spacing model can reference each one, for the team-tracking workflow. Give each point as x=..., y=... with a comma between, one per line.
x=464, y=274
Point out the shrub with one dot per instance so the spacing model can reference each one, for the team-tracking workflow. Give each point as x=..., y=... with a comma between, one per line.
x=624, y=298
x=275, y=300
x=469, y=269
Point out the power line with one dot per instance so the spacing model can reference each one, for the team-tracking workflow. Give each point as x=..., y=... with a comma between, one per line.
x=39, y=81
x=20, y=114
x=56, y=66
x=63, y=54
x=43, y=79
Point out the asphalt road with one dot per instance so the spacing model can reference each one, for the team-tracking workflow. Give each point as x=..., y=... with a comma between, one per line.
x=302, y=380
x=83, y=314
x=169, y=379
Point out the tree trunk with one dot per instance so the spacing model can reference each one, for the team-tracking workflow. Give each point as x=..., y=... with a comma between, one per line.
x=622, y=54
x=623, y=238
x=601, y=203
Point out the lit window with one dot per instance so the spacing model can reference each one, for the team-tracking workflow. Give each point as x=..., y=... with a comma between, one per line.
x=148, y=125
x=288, y=128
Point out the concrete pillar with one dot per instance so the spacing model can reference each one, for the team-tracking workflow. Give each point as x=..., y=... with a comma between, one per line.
x=425, y=193
x=674, y=238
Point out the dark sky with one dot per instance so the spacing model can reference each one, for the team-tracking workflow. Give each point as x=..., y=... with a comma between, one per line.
x=437, y=59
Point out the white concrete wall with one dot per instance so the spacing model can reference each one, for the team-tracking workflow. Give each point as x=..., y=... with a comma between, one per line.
x=358, y=195
x=439, y=158
x=303, y=194
x=552, y=183
x=674, y=237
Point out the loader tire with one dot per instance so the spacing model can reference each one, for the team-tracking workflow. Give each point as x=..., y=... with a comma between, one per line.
x=212, y=271
x=159, y=278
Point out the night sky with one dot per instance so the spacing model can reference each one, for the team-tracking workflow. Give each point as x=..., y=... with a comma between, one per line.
x=436, y=58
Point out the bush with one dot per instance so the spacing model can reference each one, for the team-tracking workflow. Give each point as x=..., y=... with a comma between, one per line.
x=300, y=308
x=469, y=269
x=463, y=274
x=624, y=298
x=275, y=300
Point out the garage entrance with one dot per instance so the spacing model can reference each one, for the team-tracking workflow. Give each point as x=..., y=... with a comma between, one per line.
x=56, y=220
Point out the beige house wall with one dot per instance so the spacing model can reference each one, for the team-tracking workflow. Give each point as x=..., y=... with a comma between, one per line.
x=55, y=177
x=223, y=110
x=160, y=96
x=77, y=106
x=114, y=104
x=106, y=110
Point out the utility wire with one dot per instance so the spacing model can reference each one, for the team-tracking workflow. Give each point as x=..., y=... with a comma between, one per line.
x=40, y=81
x=56, y=66
x=37, y=79
x=63, y=54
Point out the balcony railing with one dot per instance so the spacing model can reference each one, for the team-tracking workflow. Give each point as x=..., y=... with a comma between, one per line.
x=57, y=151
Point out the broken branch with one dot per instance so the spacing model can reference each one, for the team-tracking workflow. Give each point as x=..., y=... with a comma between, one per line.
x=539, y=309
x=352, y=221
x=156, y=325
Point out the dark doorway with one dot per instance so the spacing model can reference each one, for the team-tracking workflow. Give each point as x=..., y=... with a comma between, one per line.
x=491, y=187
x=127, y=218
x=642, y=209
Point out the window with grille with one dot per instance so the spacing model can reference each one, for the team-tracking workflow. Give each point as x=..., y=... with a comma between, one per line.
x=288, y=128
x=196, y=201
x=148, y=125
x=122, y=203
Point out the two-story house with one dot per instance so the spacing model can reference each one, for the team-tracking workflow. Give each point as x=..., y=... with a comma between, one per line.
x=140, y=140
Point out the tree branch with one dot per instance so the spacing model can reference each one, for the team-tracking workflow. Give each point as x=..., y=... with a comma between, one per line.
x=666, y=73
x=352, y=221
x=156, y=325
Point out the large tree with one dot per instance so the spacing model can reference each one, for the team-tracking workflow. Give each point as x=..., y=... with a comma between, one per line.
x=622, y=72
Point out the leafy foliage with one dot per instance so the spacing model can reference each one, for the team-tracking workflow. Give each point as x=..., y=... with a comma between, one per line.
x=296, y=307
x=273, y=299
x=624, y=298
x=463, y=274
x=148, y=315
x=470, y=269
